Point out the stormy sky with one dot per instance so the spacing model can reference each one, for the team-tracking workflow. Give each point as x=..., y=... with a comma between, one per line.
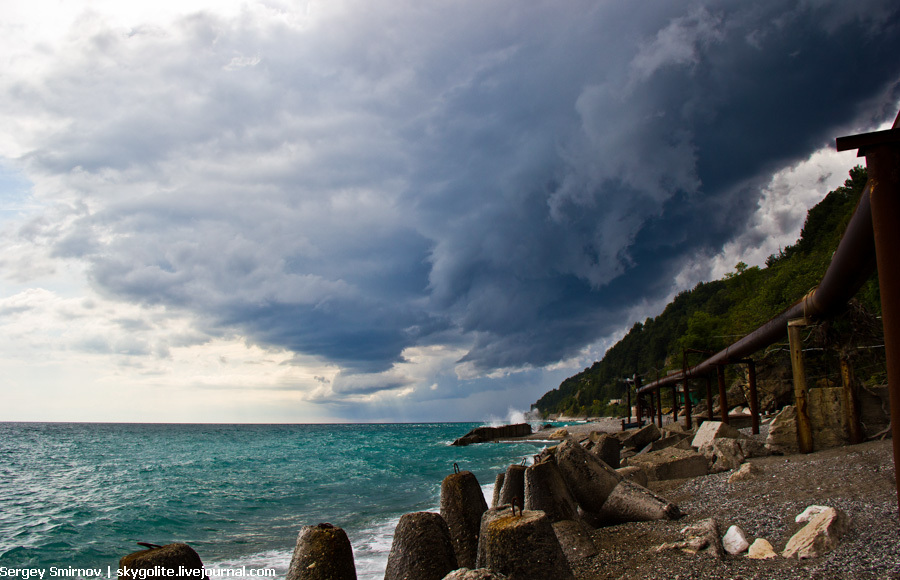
x=391, y=210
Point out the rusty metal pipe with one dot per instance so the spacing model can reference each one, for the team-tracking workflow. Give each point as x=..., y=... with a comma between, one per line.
x=852, y=263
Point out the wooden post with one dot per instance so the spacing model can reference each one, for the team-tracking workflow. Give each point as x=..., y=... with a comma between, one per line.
x=709, y=398
x=723, y=395
x=754, y=398
x=804, y=430
x=851, y=401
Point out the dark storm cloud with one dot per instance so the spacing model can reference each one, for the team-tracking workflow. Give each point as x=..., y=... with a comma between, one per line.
x=510, y=176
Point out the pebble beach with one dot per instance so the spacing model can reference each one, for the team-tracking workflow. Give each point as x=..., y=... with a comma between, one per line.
x=859, y=480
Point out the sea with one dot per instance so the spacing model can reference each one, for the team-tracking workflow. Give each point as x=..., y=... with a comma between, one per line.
x=79, y=496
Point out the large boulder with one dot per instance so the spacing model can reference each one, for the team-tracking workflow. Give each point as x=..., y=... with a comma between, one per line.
x=819, y=536
x=545, y=490
x=671, y=463
x=522, y=545
x=462, y=505
x=782, y=436
x=322, y=552
x=179, y=561
x=589, y=479
x=710, y=430
x=723, y=454
x=421, y=550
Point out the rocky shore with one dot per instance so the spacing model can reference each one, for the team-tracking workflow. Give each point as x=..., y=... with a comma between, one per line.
x=859, y=480
x=663, y=514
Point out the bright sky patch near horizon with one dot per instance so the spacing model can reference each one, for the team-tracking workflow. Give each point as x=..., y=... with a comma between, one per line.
x=394, y=211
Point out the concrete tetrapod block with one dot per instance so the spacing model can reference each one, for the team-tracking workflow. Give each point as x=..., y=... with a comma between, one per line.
x=608, y=449
x=462, y=505
x=171, y=557
x=575, y=540
x=545, y=490
x=630, y=502
x=633, y=473
x=589, y=479
x=513, y=485
x=498, y=485
x=322, y=552
x=523, y=546
x=421, y=549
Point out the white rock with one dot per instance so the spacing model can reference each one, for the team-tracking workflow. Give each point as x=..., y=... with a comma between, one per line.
x=735, y=541
x=809, y=513
x=761, y=549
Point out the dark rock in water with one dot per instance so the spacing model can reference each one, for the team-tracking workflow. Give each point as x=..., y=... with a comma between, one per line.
x=498, y=485
x=513, y=486
x=180, y=559
x=483, y=434
x=523, y=546
x=421, y=550
x=607, y=447
x=477, y=574
x=589, y=479
x=322, y=552
x=462, y=505
x=545, y=490
x=575, y=540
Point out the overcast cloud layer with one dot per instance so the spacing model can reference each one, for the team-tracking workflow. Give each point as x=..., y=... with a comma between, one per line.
x=403, y=203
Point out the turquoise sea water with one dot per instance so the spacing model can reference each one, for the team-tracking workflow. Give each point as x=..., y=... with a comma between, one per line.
x=82, y=495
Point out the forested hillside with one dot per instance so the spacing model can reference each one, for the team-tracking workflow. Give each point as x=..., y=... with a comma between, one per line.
x=715, y=314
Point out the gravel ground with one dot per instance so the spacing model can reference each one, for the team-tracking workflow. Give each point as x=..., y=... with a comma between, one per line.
x=856, y=479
